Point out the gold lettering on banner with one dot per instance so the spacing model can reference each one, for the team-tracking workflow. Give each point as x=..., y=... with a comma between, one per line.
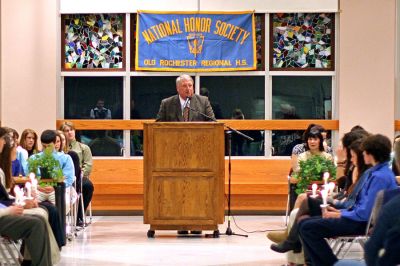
x=216, y=63
x=161, y=30
x=231, y=32
x=179, y=63
x=193, y=24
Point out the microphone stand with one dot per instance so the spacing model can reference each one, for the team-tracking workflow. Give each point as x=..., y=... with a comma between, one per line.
x=229, y=231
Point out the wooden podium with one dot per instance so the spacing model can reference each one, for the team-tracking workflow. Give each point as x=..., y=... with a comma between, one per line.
x=183, y=176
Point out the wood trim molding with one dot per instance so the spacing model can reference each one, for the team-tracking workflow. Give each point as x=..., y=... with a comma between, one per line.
x=397, y=125
x=90, y=124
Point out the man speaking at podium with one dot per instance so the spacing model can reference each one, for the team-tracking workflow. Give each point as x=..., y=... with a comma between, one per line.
x=186, y=106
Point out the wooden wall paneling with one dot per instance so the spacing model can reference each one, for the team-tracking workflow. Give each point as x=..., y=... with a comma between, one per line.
x=256, y=184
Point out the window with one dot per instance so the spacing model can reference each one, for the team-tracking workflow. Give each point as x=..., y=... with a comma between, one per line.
x=147, y=93
x=227, y=94
x=93, y=97
x=298, y=97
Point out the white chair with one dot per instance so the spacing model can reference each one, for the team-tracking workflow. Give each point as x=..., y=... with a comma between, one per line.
x=10, y=252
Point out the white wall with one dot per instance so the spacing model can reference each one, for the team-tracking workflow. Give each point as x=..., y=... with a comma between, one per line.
x=367, y=65
x=28, y=64
x=131, y=6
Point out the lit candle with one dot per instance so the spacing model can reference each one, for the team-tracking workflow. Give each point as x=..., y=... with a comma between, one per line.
x=18, y=195
x=31, y=176
x=324, y=194
x=28, y=190
x=314, y=190
x=331, y=186
x=326, y=177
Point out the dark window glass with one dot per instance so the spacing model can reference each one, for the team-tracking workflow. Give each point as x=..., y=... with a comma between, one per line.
x=243, y=147
x=230, y=95
x=93, y=97
x=302, y=97
x=102, y=142
x=147, y=93
x=136, y=143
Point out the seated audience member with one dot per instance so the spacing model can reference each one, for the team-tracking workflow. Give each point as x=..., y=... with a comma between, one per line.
x=31, y=206
x=19, y=162
x=313, y=146
x=6, y=179
x=395, y=156
x=85, y=159
x=29, y=141
x=32, y=229
x=313, y=231
x=311, y=206
x=47, y=138
x=383, y=245
x=61, y=145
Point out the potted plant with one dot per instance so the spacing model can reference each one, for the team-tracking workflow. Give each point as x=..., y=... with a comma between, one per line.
x=45, y=166
x=313, y=169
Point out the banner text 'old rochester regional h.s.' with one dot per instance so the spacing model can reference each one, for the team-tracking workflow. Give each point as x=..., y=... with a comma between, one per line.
x=195, y=41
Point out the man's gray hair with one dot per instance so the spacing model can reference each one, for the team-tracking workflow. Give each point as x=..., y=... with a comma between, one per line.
x=183, y=77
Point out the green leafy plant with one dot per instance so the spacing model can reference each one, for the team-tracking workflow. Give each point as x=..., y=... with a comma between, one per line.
x=44, y=165
x=313, y=169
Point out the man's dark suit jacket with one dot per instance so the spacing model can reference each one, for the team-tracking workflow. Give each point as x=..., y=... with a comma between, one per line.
x=170, y=109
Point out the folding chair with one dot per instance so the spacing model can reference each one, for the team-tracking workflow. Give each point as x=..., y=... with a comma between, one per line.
x=381, y=199
x=10, y=252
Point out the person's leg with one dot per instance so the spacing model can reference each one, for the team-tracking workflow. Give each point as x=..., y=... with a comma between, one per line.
x=33, y=230
x=314, y=230
x=87, y=193
x=55, y=223
x=300, y=198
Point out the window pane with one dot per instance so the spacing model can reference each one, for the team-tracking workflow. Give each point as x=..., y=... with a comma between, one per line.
x=102, y=142
x=302, y=41
x=85, y=96
x=302, y=97
x=136, y=143
x=243, y=147
x=229, y=93
x=283, y=141
x=147, y=93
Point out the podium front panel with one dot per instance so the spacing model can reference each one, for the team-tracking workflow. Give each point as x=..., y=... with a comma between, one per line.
x=184, y=175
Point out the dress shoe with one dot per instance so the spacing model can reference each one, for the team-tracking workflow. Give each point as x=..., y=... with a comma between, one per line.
x=196, y=232
x=285, y=246
x=278, y=236
x=183, y=232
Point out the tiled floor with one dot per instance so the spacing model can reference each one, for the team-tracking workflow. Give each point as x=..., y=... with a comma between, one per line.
x=123, y=241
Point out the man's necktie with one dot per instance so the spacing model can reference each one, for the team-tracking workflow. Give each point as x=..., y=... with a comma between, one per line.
x=186, y=114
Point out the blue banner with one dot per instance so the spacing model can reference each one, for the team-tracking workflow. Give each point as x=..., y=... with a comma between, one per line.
x=195, y=41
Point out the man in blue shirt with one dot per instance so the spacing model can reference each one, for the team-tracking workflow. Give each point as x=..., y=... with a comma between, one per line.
x=353, y=221
x=47, y=138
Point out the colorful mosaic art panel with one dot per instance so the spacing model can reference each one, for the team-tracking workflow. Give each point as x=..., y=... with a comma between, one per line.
x=302, y=41
x=94, y=41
